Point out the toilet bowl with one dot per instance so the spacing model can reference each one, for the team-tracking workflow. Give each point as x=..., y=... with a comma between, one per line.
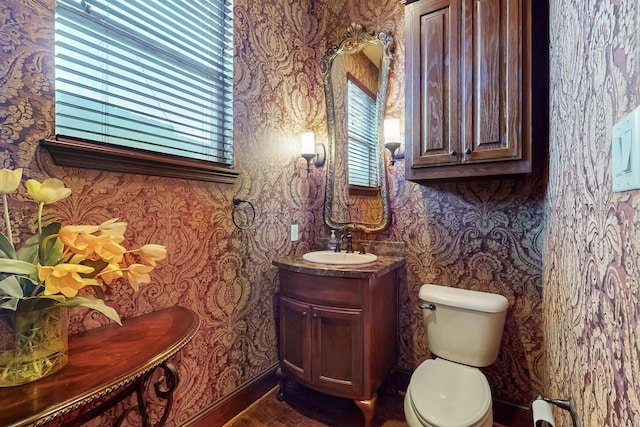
x=464, y=330
x=448, y=394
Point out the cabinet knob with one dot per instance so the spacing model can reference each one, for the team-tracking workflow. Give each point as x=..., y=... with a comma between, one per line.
x=467, y=151
x=452, y=152
x=304, y=314
x=315, y=315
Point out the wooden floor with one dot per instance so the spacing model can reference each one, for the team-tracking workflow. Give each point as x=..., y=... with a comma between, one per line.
x=307, y=408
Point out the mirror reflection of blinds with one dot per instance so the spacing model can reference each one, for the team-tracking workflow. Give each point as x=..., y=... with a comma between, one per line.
x=155, y=75
x=363, y=137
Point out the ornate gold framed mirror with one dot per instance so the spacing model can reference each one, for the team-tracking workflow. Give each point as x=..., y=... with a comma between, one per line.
x=355, y=74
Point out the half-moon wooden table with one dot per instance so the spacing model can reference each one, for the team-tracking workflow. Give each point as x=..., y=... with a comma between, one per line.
x=111, y=360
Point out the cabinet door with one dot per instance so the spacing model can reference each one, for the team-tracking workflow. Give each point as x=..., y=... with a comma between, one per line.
x=295, y=339
x=491, y=47
x=432, y=125
x=338, y=350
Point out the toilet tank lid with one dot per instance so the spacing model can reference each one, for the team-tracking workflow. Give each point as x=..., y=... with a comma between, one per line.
x=464, y=298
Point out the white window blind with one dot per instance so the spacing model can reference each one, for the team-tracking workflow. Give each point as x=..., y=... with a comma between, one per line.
x=155, y=75
x=363, y=137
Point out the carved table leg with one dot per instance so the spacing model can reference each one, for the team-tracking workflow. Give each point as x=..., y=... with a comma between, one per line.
x=368, y=408
x=282, y=382
x=163, y=388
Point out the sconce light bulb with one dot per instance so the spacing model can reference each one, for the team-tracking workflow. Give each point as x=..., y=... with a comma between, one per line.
x=391, y=130
x=308, y=143
x=307, y=147
x=392, y=140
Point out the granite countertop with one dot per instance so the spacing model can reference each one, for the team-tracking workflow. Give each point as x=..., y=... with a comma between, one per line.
x=383, y=265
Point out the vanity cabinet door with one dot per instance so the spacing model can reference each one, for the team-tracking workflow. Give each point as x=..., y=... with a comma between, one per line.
x=338, y=335
x=295, y=338
x=337, y=350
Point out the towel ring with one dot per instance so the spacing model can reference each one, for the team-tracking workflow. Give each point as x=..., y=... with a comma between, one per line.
x=242, y=219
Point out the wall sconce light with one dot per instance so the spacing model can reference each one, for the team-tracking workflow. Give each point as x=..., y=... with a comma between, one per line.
x=311, y=150
x=392, y=139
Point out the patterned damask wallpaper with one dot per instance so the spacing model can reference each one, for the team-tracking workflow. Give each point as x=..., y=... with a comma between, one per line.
x=579, y=341
x=592, y=251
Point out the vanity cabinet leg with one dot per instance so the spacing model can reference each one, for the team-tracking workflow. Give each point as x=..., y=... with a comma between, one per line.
x=368, y=408
x=282, y=383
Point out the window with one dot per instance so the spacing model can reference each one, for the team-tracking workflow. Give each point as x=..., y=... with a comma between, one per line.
x=151, y=78
x=362, y=135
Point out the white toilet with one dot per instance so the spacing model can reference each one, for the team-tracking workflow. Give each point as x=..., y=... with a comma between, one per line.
x=464, y=330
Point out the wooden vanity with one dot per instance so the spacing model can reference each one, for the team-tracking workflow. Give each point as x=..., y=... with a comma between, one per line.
x=339, y=327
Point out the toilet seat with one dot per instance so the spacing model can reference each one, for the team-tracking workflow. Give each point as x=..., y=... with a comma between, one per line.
x=447, y=394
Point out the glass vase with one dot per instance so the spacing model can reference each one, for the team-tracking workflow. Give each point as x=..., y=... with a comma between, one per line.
x=33, y=343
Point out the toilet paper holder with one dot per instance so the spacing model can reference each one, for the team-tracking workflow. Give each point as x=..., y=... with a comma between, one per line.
x=566, y=405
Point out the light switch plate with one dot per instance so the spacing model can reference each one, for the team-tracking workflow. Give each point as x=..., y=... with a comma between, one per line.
x=294, y=232
x=625, y=152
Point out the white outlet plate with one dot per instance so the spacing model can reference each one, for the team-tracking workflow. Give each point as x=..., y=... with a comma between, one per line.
x=294, y=232
x=625, y=152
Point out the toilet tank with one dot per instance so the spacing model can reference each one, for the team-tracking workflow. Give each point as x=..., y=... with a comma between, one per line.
x=466, y=326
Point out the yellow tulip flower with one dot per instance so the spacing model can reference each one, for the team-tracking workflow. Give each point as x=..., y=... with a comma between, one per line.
x=108, y=249
x=151, y=253
x=110, y=273
x=63, y=278
x=9, y=180
x=49, y=191
x=138, y=274
x=87, y=255
x=114, y=229
x=78, y=238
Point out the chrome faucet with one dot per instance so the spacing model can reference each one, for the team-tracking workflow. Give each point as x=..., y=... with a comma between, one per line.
x=349, y=240
x=363, y=248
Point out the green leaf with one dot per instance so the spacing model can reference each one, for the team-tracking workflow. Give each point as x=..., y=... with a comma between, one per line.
x=10, y=303
x=29, y=250
x=11, y=286
x=6, y=248
x=10, y=293
x=97, y=264
x=51, y=228
x=99, y=291
x=95, y=304
x=15, y=266
x=30, y=286
x=52, y=252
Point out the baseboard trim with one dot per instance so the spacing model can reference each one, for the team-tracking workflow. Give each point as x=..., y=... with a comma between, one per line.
x=510, y=413
x=222, y=411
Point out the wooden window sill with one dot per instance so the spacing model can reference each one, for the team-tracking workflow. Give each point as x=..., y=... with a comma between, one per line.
x=113, y=158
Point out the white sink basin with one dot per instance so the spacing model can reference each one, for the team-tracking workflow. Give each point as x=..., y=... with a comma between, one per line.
x=340, y=258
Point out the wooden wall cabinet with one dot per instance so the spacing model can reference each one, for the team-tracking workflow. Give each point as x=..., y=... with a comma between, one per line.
x=338, y=335
x=468, y=88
